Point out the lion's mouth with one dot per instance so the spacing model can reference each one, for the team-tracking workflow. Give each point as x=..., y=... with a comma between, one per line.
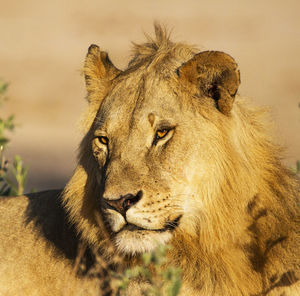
x=170, y=225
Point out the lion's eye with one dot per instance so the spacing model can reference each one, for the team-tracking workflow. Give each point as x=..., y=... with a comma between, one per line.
x=161, y=134
x=103, y=140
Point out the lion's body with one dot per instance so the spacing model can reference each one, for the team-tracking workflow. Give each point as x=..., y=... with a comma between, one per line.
x=38, y=247
x=167, y=158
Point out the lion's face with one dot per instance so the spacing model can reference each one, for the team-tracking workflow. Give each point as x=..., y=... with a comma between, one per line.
x=153, y=150
x=156, y=141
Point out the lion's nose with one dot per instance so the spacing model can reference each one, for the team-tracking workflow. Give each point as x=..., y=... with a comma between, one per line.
x=124, y=203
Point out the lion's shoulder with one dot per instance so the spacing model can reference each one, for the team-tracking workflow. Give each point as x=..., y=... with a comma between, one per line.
x=38, y=244
x=38, y=216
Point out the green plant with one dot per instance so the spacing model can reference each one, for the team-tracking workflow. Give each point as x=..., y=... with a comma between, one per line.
x=3, y=89
x=12, y=176
x=5, y=124
x=298, y=167
x=161, y=280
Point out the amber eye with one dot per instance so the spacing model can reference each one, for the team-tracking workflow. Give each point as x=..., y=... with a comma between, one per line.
x=103, y=140
x=161, y=133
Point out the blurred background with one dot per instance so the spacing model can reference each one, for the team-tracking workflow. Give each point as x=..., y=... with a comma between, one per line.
x=43, y=45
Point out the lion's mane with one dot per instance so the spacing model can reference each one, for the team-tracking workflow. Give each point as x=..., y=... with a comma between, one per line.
x=239, y=247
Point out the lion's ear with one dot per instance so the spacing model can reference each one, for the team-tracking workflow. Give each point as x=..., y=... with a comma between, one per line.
x=98, y=72
x=215, y=74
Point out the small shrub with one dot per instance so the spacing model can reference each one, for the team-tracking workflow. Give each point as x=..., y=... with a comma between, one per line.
x=12, y=176
x=161, y=280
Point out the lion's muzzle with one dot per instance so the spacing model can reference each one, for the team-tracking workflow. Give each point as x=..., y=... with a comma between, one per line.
x=124, y=203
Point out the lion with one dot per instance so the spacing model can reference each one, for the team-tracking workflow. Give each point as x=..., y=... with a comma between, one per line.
x=172, y=155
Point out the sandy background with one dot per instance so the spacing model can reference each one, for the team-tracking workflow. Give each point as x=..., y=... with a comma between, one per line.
x=43, y=45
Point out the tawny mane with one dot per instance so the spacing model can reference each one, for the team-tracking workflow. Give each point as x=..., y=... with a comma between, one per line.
x=156, y=51
x=247, y=237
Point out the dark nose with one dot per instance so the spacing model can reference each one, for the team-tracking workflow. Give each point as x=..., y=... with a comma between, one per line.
x=125, y=202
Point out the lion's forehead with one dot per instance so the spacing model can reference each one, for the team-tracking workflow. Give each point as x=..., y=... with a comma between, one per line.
x=127, y=107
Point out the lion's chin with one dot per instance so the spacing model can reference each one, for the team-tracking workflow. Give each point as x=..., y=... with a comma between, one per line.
x=140, y=241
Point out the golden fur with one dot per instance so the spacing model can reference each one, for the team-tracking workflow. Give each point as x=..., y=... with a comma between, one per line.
x=171, y=155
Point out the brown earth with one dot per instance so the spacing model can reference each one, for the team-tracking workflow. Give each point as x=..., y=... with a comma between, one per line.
x=43, y=45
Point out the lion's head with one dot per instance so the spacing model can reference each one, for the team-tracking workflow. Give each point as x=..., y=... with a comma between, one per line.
x=155, y=154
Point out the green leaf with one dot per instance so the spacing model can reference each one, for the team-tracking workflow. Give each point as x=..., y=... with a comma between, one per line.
x=175, y=287
x=9, y=123
x=298, y=167
x=147, y=258
x=3, y=141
